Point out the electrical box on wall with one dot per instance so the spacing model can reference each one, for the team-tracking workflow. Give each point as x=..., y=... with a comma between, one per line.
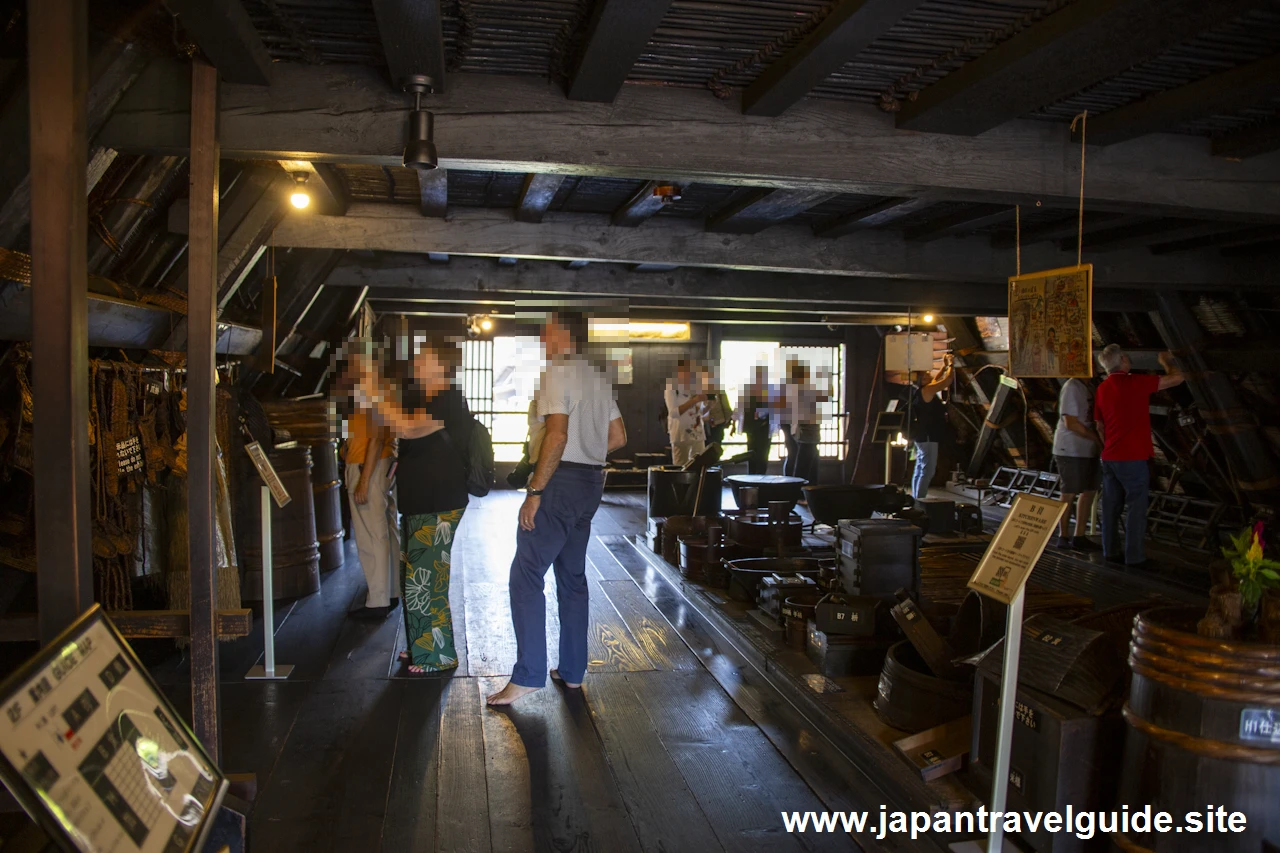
x=910, y=351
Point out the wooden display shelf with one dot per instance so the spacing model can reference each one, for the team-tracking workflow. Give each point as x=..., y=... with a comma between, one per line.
x=152, y=624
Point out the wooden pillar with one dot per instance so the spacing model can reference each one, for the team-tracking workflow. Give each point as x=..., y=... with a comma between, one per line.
x=202, y=293
x=58, y=42
x=863, y=398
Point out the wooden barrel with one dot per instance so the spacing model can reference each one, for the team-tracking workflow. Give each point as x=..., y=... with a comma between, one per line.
x=797, y=610
x=326, y=487
x=295, y=553
x=978, y=624
x=1202, y=728
x=675, y=527
x=912, y=698
x=673, y=492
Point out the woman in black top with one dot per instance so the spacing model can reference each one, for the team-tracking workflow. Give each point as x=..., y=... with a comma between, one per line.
x=433, y=423
x=928, y=426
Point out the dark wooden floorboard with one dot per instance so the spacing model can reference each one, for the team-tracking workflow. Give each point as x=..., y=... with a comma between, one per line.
x=365, y=649
x=739, y=779
x=550, y=784
x=610, y=644
x=602, y=562
x=412, y=798
x=309, y=636
x=491, y=644
x=664, y=812
x=462, y=808
x=660, y=642
x=329, y=792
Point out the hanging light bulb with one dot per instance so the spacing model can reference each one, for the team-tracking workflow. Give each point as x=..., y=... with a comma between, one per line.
x=300, y=198
x=928, y=318
x=486, y=324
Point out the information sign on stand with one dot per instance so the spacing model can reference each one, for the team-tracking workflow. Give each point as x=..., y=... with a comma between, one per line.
x=1002, y=574
x=267, y=472
x=96, y=754
x=272, y=488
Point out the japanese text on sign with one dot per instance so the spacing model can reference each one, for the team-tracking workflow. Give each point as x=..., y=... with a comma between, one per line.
x=1016, y=547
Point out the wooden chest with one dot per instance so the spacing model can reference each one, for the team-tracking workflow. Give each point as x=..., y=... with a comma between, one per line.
x=1060, y=756
x=836, y=654
x=879, y=556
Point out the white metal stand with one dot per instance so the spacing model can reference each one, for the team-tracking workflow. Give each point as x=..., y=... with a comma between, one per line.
x=268, y=670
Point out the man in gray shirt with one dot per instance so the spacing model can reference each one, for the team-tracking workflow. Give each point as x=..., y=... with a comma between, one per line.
x=1075, y=450
x=578, y=425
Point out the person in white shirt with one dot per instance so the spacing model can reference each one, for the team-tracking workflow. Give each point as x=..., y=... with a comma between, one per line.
x=686, y=404
x=805, y=421
x=1075, y=451
x=578, y=426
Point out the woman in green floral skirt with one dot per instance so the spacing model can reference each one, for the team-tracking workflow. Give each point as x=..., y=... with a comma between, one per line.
x=431, y=419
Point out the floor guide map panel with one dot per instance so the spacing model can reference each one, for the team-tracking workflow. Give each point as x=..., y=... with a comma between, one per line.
x=97, y=755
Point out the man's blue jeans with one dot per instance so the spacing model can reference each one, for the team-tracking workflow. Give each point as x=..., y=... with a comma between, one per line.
x=1125, y=485
x=561, y=532
x=926, y=465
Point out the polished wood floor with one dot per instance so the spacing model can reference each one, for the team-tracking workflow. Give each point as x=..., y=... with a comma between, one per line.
x=675, y=743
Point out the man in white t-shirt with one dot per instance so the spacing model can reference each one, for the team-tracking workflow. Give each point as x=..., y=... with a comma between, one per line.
x=578, y=425
x=686, y=404
x=1075, y=450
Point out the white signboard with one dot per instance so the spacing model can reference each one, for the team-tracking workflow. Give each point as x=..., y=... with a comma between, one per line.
x=1016, y=547
x=267, y=472
x=97, y=755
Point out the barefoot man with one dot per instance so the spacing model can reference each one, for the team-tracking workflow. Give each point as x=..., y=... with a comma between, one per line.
x=578, y=424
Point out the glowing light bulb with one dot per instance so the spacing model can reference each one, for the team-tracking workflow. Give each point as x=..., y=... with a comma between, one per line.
x=928, y=318
x=486, y=324
x=300, y=200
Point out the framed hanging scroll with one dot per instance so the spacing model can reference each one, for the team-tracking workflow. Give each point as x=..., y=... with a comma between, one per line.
x=1050, y=323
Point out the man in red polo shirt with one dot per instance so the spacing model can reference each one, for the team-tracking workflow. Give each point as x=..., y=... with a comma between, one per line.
x=1122, y=415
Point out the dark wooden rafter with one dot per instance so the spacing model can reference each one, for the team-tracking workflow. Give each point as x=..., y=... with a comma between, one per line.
x=1251, y=142
x=876, y=216
x=1088, y=41
x=1067, y=228
x=536, y=196
x=1160, y=175
x=842, y=35
x=617, y=35
x=225, y=34
x=1268, y=247
x=1220, y=240
x=1249, y=454
x=328, y=183
x=433, y=189
x=1148, y=233
x=640, y=207
x=412, y=38
x=760, y=208
x=961, y=222
x=113, y=68
x=202, y=336
x=1219, y=94
x=57, y=34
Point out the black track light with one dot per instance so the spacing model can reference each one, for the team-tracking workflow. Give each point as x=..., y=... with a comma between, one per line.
x=420, y=148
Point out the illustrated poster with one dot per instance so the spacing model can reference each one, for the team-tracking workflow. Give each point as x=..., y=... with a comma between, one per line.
x=1050, y=323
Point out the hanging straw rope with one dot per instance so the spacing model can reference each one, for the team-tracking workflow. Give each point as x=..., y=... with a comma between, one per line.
x=1017, y=238
x=1083, y=118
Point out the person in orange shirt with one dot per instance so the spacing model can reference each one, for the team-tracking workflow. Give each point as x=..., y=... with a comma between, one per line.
x=374, y=517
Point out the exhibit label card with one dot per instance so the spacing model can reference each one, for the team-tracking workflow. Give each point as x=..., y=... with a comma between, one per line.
x=1017, y=545
x=267, y=472
x=97, y=755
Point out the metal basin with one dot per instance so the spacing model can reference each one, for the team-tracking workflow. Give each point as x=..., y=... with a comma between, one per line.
x=831, y=504
x=770, y=488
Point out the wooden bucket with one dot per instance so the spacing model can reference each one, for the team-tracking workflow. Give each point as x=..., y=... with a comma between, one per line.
x=1202, y=729
x=675, y=527
x=295, y=553
x=326, y=488
x=911, y=698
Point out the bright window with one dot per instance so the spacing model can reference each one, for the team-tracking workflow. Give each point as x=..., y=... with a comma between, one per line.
x=738, y=360
x=499, y=378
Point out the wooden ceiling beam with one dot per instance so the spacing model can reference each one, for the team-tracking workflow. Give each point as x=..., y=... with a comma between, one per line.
x=1239, y=237
x=225, y=34
x=514, y=124
x=1067, y=228
x=412, y=36
x=618, y=33
x=875, y=216
x=761, y=208
x=536, y=196
x=842, y=35
x=481, y=280
x=1243, y=144
x=433, y=187
x=1160, y=231
x=1084, y=43
x=786, y=248
x=1224, y=93
x=645, y=203
x=962, y=222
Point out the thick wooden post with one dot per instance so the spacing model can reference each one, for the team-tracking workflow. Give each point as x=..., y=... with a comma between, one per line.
x=202, y=294
x=59, y=65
